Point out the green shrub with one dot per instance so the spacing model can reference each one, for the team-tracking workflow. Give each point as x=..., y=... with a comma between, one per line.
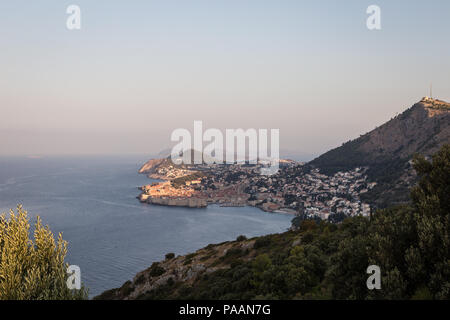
x=140, y=280
x=233, y=252
x=190, y=256
x=262, y=242
x=187, y=262
x=156, y=270
x=170, y=256
x=32, y=269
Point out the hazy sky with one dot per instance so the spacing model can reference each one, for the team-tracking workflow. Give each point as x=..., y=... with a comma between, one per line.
x=137, y=70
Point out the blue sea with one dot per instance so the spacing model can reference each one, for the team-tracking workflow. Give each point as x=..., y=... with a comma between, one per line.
x=111, y=235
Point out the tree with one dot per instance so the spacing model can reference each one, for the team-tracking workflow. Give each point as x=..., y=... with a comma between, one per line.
x=432, y=203
x=261, y=269
x=32, y=270
x=430, y=196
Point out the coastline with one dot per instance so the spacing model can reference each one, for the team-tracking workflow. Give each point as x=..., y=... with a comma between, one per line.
x=205, y=200
x=199, y=186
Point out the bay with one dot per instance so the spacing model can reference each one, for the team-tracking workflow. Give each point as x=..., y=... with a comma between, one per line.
x=111, y=235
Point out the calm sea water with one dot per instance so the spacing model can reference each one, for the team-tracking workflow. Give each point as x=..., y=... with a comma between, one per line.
x=111, y=235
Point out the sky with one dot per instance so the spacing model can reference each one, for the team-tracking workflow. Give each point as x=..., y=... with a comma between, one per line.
x=137, y=70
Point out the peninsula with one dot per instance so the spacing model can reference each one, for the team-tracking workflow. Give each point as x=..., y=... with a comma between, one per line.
x=351, y=180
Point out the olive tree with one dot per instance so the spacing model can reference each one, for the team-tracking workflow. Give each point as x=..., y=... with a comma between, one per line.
x=32, y=269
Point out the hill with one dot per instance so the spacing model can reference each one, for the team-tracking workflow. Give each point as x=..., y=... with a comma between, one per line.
x=387, y=150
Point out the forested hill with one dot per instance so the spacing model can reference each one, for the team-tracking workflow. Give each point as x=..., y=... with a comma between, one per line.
x=387, y=150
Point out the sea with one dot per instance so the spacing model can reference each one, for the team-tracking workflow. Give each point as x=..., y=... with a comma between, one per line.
x=111, y=235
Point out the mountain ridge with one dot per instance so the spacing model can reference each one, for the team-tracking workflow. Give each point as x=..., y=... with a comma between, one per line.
x=387, y=150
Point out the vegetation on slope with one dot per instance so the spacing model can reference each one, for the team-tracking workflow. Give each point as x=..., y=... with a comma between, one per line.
x=410, y=243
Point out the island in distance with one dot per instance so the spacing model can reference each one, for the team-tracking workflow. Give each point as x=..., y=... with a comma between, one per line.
x=365, y=173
